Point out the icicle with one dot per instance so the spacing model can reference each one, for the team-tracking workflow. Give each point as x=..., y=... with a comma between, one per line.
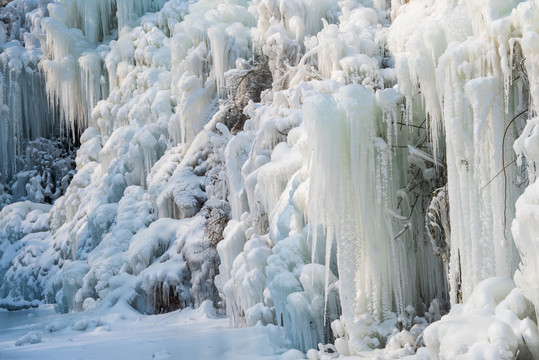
x=362, y=164
x=130, y=10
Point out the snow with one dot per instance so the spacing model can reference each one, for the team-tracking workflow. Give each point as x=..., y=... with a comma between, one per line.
x=30, y=338
x=490, y=324
x=189, y=334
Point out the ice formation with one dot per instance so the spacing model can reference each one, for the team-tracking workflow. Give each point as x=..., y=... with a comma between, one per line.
x=24, y=100
x=345, y=171
x=477, y=93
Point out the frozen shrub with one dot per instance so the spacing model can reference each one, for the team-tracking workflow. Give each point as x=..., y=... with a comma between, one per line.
x=176, y=260
x=244, y=84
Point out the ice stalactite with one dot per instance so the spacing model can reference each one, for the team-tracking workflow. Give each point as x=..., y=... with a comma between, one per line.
x=129, y=11
x=135, y=124
x=22, y=95
x=75, y=73
x=471, y=170
x=213, y=36
x=296, y=18
x=75, y=89
x=18, y=118
x=94, y=80
x=95, y=17
x=363, y=222
x=523, y=229
x=283, y=31
x=471, y=95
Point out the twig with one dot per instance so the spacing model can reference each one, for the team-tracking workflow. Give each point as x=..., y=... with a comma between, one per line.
x=406, y=147
x=505, y=173
x=523, y=69
x=411, y=125
x=406, y=227
x=408, y=188
x=499, y=172
x=421, y=126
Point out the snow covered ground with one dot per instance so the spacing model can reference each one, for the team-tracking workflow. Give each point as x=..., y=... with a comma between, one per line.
x=187, y=334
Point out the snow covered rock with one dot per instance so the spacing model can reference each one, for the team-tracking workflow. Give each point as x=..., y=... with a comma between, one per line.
x=497, y=321
x=30, y=338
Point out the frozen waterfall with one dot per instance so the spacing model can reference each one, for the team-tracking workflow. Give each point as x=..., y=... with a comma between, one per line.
x=342, y=172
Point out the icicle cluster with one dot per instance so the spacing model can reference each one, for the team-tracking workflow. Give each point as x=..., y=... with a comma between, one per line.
x=471, y=82
x=23, y=100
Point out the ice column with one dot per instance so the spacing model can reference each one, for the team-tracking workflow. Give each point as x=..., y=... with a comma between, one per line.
x=351, y=192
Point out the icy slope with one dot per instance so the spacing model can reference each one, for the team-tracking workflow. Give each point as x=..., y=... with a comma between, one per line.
x=343, y=170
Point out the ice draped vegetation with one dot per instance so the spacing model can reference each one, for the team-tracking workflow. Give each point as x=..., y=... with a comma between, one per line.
x=347, y=171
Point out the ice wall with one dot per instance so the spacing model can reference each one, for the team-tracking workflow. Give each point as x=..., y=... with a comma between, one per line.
x=463, y=61
x=334, y=94
x=74, y=41
x=23, y=102
x=92, y=226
